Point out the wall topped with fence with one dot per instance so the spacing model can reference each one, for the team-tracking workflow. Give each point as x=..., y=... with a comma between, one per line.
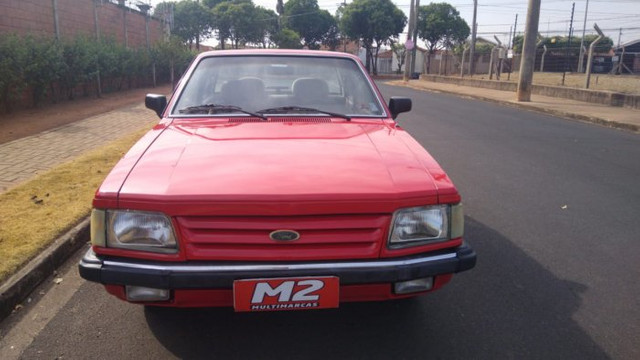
x=66, y=19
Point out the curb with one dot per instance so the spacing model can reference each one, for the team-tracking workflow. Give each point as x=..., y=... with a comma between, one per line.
x=568, y=115
x=21, y=284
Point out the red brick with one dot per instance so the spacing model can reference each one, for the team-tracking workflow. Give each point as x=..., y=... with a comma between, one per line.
x=76, y=17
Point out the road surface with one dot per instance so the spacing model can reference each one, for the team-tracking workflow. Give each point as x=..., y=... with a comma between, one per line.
x=552, y=209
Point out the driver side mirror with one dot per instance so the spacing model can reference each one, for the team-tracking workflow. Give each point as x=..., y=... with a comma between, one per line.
x=156, y=103
x=399, y=105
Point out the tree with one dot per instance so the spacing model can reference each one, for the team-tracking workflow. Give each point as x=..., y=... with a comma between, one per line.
x=192, y=21
x=172, y=55
x=80, y=56
x=374, y=23
x=236, y=21
x=163, y=8
x=212, y=3
x=560, y=43
x=287, y=39
x=266, y=23
x=332, y=38
x=400, y=52
x=46, y=63
x=13, y=60
x=440, y=26
x=307, y=19
x=602, y=47
x=482, y=48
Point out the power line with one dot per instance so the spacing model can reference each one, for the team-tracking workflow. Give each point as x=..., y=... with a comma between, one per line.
x=556, y=31
x=566, y=21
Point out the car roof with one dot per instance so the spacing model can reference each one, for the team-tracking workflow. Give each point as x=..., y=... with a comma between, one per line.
x=278, y=52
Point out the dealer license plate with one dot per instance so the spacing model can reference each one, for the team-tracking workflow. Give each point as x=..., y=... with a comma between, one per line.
x=277, y=294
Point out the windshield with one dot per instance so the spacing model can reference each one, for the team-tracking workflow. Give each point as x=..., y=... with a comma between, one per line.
x=277, y=85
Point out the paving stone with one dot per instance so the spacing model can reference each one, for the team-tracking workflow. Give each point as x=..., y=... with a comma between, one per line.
x=22, y=159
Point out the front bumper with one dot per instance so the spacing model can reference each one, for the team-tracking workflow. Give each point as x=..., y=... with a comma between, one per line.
x=220, y=275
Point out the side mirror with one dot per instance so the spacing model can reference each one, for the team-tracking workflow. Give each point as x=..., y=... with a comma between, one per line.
x=156, y=103
x=399, y=105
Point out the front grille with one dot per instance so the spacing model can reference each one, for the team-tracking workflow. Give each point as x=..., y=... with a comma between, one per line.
x=247, y=238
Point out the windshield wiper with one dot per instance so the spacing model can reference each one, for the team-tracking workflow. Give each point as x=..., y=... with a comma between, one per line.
x=305, y=109
x=213, y=108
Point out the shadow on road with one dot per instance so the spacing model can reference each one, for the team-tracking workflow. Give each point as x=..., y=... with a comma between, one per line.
x=507, y=307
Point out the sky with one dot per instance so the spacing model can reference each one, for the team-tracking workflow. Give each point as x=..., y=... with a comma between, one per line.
x=497, y=17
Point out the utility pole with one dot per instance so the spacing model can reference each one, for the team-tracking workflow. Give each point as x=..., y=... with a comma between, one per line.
x=621, y=53
x=511, y=44
x=515, y=30
x=509, y=49
x=528, y=51
x=407, y=59
x=584, y=29
x=472, y=49
x=566, y=52
x=56, y=24
x=415, y=38
x=344, y=40
x=464, y=54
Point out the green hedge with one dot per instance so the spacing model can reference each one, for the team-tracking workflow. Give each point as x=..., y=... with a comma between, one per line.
x=49, y=69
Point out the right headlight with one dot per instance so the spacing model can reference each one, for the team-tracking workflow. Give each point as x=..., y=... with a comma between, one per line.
x=133, y=230
x=420, y=225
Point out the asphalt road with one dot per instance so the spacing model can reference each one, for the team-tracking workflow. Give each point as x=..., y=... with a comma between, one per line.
x=552, y=209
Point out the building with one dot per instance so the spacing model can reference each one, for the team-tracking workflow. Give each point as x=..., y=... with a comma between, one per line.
x=630, y=55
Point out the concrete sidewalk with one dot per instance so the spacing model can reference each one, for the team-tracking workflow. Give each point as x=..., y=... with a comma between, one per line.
x=22, y=159
x=617, y=117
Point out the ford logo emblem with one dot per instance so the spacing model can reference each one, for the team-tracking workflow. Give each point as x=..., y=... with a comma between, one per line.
x=284, y=235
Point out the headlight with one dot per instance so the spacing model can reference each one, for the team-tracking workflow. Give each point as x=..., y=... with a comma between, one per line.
x=420, y=225
x=133, y=230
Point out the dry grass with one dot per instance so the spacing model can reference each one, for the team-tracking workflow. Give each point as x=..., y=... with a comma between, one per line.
x=33, y=214
x=629, y=84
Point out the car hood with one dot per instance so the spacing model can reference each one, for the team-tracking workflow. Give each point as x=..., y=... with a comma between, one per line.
x=203, y=161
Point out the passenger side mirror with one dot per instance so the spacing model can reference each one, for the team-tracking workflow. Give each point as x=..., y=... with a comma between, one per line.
x=399, y=105
x=156, y=103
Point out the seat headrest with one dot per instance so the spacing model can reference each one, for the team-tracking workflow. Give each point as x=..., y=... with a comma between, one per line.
x=311, y=88
x=242, y=92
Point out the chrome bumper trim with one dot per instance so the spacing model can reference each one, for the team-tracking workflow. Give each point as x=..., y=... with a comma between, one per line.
x=378, y=264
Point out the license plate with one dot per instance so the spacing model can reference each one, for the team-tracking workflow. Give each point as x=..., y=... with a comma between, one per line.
x=278, y=294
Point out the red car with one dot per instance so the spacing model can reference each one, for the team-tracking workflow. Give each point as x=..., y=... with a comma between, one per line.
x=275, y=180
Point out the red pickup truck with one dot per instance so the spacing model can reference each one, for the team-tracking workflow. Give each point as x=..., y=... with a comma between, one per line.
x=275, y=180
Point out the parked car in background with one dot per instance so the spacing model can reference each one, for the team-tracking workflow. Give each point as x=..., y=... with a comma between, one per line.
x=275, y=180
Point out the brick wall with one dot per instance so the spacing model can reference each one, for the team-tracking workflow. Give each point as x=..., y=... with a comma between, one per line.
x=76, y=17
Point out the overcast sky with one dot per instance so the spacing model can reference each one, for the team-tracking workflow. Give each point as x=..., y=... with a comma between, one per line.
x=496, y=17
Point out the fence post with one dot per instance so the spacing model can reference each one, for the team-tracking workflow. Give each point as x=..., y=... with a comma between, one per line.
x=544, y=53
x=95, y=20
x=124, y=22
x=491, y=60
x=464, y=54
x=56, y=24
x=590, y=57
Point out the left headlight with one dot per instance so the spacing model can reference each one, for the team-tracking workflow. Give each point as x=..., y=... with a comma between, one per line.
x=133, y=230
x=419, y=225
